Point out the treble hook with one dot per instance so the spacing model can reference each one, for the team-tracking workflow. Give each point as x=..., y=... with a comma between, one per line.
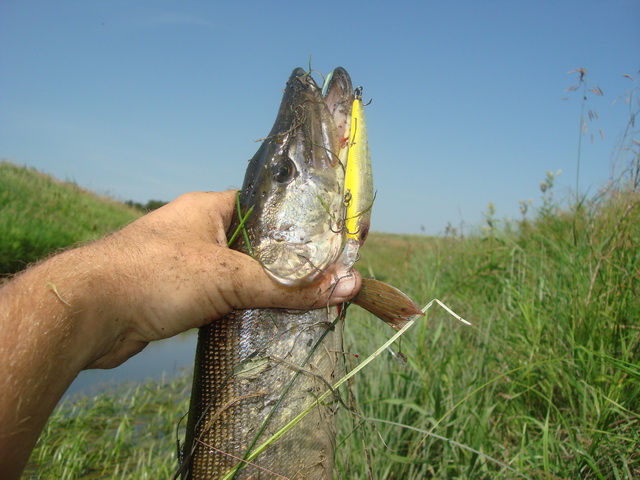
x=357, y=93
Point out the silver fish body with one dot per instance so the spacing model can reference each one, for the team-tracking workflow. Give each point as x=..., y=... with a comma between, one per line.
x=257, y=369
x=250, y=370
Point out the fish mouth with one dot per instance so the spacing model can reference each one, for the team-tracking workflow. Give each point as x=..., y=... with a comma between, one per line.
x=294, y=183
x=338, y=94
x=303, y=101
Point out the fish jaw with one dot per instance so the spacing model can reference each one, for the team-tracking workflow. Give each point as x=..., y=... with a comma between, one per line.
x=338, y=93
x=295, y=181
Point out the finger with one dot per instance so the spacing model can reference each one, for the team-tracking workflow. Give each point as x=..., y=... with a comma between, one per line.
x=225, y=205
x=252, y=287
x=199, y=215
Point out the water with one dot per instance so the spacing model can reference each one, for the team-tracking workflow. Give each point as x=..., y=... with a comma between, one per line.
x=167, y=358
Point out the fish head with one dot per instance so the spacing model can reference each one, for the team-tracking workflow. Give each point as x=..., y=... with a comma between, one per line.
x=294, y=183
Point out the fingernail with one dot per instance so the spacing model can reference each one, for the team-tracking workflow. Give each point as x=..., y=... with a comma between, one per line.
x=344, y=285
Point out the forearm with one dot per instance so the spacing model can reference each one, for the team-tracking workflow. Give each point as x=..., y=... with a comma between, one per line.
x=48, y=336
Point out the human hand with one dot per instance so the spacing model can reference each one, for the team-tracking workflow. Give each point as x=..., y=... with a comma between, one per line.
x=171, y=270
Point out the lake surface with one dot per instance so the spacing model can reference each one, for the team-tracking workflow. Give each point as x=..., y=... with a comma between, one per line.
x=167, y=358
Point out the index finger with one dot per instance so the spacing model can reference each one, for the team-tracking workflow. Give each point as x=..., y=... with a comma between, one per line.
x=206, y=215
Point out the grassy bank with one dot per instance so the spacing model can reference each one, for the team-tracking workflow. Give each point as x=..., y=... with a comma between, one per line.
x=547, y=379
x=39, y=215
x=545, y=384
x=127, y=432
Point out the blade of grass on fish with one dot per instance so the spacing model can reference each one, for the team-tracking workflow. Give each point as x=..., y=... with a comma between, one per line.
x=386, y=302
x=297, y=372
x=325, y=84
x=339, y=223
x=337, y=385
x=240, y=227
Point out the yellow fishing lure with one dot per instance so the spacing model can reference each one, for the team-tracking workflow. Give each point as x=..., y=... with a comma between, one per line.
x=358, y=184
x=358, y=181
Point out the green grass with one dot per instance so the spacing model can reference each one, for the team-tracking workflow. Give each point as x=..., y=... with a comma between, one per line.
x=547, y=379
x=545, y=384
x=39, y=215
x=127, y=432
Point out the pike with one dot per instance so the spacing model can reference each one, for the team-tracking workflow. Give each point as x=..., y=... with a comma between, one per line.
x=257, y=369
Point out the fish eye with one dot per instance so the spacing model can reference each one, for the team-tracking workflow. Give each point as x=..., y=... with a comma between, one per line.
x=284, y=170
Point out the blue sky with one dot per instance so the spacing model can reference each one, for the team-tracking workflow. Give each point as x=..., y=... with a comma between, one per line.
x=147, y=100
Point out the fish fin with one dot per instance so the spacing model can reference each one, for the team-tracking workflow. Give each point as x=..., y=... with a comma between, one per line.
x=386, y=302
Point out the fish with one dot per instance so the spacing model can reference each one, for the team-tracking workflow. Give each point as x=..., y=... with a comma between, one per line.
x=304, y=207
x=256, y=369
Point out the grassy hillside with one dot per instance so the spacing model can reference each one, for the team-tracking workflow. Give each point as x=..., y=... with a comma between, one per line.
x=545, y=384
x=39, y=214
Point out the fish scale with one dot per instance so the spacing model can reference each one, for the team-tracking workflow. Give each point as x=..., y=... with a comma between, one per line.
x=246, y=361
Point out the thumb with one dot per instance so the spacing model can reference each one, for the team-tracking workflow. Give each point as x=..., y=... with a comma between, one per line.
x=251, y=286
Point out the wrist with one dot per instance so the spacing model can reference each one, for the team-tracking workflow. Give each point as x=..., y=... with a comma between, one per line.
x=90, y=285
x=63, y=297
